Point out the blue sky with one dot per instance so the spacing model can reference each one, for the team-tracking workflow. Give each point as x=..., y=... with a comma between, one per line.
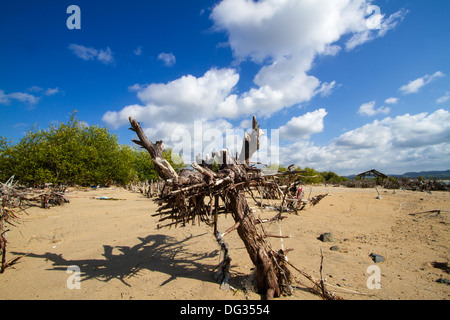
x=349, y=85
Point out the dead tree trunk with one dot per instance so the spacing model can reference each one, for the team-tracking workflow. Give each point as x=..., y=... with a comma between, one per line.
x=260, y=253
x=189, y=189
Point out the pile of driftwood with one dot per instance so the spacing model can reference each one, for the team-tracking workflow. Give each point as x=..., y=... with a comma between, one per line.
x=286, y=187
x=12, y=193
x=149, y=189
x=400, y=183
x=201, y=194
x=15, y=199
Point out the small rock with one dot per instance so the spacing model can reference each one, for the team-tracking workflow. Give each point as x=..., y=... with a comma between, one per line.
x=327, y=237
x=442, y=280
x=376, y=257
x=334, y=248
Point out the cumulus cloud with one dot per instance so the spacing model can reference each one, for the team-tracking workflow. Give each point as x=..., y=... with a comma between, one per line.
x=87, y=53
x=168, y=58
x=391, y=145
x=282, y=36
x=420, y=130
x=415, y=85
x=304, y=126
x=285, y=36
x=407, y=130
x=183, y=100
x=368, y=109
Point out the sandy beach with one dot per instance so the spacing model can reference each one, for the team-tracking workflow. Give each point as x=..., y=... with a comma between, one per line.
x=122, y=255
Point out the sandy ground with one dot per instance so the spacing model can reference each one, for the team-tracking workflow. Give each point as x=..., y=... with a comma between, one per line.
x=121, y=254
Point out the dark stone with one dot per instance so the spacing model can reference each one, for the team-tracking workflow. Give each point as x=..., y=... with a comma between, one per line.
x=376, y=257
x=334, y=248
x=327, y=237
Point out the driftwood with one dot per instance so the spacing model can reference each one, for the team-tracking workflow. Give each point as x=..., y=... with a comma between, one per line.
x=400, y=183
x=199, y=195
x=149, y=189
x=14, y=201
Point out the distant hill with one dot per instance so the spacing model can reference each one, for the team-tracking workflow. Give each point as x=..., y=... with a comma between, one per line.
x=444, y=175
x=426, y=175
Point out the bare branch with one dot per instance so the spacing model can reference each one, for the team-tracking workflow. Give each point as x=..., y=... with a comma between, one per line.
x=162, y=166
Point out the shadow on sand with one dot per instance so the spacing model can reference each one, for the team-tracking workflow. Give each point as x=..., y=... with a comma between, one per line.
x=158, y=252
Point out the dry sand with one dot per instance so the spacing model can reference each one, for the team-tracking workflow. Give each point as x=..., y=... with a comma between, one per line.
x=121, y=254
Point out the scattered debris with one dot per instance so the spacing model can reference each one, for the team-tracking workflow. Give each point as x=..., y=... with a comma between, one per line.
x=15, y=198
x=107, y=198
x=399, y=183
x=315, y=200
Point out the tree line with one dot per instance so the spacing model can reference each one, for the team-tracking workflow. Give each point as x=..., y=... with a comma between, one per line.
x=311, y=176
x=74, y=153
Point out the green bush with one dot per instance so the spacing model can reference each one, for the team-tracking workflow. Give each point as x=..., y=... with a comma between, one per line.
x=331, y=177
x=75, y=154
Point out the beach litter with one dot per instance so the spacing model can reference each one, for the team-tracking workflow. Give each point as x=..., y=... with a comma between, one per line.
x=107, y=198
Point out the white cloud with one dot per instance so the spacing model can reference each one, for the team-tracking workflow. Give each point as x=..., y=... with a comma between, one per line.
x=304, y=126
x=277, y=28
x=392, y=100
x=51, y=91
x=86, y=53
x=25, y=97
x=374, y=26
x=183, y=100
x=371, y=135
x=444, y=98
x=368, y=109
x=3, y=97
x=105, y=56
x=415, y=85
x=393, y=145
x=420, y=130
x=35, y=89
x=168, y=58
x=285, y=36
x=138, y=51
x=282, y=36
x=19, y=96
x=407, y=130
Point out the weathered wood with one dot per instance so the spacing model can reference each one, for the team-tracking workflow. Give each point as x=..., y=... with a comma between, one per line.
x=186, y=202
x=251, y=142
x=162, y=166
x=14, y=199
